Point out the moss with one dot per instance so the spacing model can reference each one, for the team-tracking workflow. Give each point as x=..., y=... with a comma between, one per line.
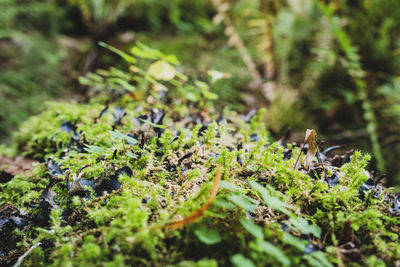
x=143, y=161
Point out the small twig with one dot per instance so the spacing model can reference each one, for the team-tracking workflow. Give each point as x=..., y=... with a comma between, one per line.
x=21, y=259
x=235, y=40
x=301, y=151
x=323, y=167
x=199, y=212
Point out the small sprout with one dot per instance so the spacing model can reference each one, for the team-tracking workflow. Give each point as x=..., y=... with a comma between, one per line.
x=125, y=56
x=123, y=137
x=131, y=154
x=94, y=149
x=153, y=124
x=252, y=228
x=207, y=236
x=117, y=135
x=130, y=139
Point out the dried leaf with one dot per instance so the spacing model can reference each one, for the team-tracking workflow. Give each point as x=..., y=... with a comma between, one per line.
x=311, y=137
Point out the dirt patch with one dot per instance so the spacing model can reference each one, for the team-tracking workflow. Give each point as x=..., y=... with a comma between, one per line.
x=12, y=166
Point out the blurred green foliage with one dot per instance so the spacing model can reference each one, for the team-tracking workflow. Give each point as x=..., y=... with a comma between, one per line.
x=30, y=70
x=334, y=57
x=335, y=63
x=31, y=55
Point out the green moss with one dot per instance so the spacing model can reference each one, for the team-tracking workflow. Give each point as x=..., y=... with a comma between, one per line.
x=266, y=211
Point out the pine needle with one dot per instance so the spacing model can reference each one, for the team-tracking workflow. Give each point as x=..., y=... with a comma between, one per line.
x=200, y=212
x=21, y=259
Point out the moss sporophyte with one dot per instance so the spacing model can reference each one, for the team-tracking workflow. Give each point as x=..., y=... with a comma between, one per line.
x=152, y=175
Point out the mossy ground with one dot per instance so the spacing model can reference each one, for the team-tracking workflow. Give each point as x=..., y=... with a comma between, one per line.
x=143, y=152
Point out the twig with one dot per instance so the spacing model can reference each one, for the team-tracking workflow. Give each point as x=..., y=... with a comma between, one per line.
x=21, y=259
x=269, y=66
x=198, y=213
x=235, y=40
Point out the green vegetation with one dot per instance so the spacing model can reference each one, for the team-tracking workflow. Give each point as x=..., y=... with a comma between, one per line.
x=30, y=60
x=164, y=133
x=121, y=171
x=330, y=66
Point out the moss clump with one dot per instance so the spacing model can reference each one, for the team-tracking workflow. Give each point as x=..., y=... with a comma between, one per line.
x=143, y=152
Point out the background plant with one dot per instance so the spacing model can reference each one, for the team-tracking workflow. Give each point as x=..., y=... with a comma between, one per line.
x=316, y=59
x=309, y=62
x=31, y=70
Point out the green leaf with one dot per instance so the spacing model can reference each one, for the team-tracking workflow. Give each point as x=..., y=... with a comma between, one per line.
x=143, y=51
x=125, y=56
x=153, y=124
x=260, y=189
x=273, y=251
x=162, y=70
x=117, y=135
x=131, y=155
x=252, y=228
x=271, y=201
x=241, y=261
x=120, y=136
x=123, y=83
x=243, y=201
x=207, y=236
x=85, y=81
x=224, y=204
x=130, y=139
x=94, y=149
x=294, y=241
x=300, y=224
x=317, y=259
x=229, y=186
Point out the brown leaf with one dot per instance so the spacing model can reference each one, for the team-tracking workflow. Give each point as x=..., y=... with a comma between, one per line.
x=12, y=166
x=311, y=137
x=346, y=233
